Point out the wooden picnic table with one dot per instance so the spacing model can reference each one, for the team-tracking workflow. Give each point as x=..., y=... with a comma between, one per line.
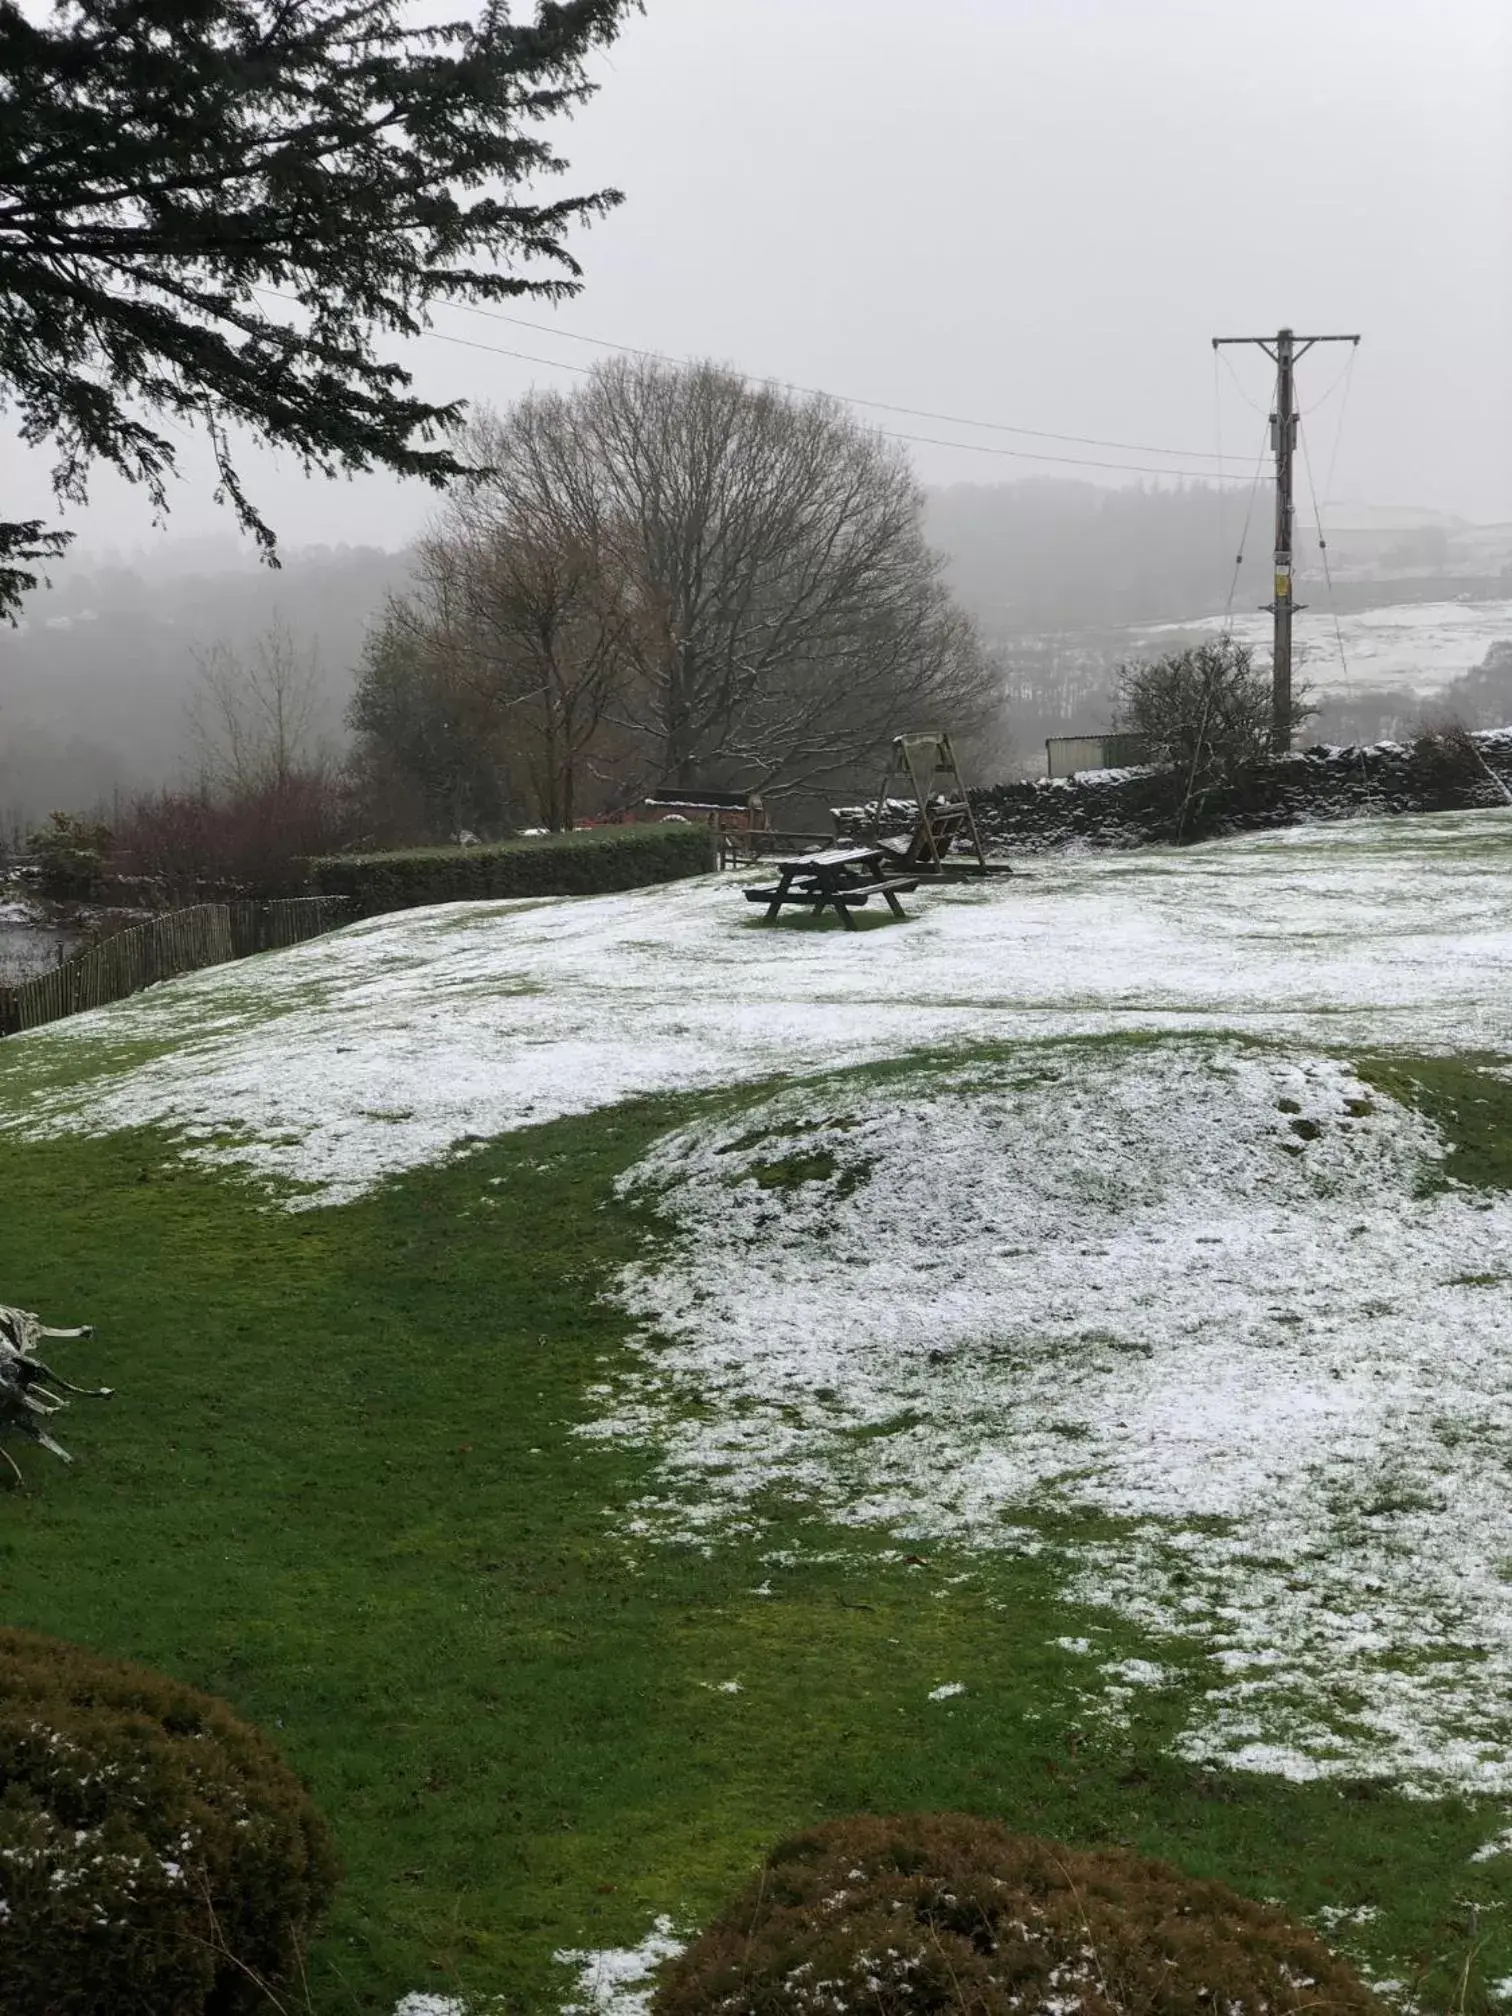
x=844, y=878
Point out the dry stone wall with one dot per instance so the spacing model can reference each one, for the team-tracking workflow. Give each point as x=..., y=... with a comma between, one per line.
x=1132, y=808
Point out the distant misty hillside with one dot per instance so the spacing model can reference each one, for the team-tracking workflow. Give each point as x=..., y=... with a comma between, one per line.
x=1064, y=576
x=1069, y=580
x=94, y=683
x=1049, y=554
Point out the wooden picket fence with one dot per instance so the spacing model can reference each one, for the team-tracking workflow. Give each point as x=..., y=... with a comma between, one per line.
x=181, y=941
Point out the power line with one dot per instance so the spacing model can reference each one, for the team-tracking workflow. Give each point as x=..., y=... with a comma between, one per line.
x=1333, y=606
x=1249, y=512
x=1238, y=386
x=1065, y=461
x=891, y=434
x=1333, y=460
x=849, y=398
x=1218, y=448
x=1344, y=378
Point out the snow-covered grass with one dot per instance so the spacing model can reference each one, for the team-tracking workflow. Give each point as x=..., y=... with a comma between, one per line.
x=1188, y=1287
x=1044, y=1357
x=341, y=1062
x=1405, y=647
x=1185, y=1284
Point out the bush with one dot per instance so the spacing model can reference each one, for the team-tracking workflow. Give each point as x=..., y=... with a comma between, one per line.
x=562, y=864
x=1446, y=768
x=1206, y=717
x=252, y=842
x=70, y=854
x=925, y=1912
x=158, y=1854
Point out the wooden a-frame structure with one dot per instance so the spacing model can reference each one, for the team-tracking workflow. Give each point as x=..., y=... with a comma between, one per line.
x=927, y=764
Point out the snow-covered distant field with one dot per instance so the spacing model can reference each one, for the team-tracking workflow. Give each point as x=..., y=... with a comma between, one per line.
x=1188, y=1283
x=1409, y=648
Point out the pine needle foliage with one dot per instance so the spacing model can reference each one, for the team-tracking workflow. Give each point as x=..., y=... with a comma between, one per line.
x=222, y=214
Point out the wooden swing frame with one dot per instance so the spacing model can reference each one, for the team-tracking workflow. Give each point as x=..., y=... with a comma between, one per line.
x=928, y=764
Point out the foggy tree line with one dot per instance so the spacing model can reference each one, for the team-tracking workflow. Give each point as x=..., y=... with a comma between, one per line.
x=95, y=683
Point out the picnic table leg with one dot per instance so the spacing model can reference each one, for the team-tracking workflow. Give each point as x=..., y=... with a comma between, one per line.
x=893, y=904
x=845, y=910
x=784, y=880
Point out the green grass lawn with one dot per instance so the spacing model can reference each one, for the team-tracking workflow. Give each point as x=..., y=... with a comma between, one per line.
x=339, y=1486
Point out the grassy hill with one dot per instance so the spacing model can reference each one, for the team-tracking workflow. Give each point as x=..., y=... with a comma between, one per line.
x=605, y=1383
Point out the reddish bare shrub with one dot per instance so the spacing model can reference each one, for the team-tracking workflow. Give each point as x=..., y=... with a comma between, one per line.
x=253, y=842
x=924, y=1912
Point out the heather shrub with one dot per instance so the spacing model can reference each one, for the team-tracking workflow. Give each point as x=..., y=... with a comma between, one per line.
x=156, y=1853
x=927, y=1912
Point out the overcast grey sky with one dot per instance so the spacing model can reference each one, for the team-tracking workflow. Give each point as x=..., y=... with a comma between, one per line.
x=1033, y=212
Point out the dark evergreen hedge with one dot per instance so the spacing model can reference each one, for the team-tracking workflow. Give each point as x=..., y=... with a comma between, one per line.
x=156, y=1853
x=589, y=863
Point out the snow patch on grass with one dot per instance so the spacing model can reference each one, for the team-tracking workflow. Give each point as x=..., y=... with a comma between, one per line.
x=1138, y=1672
x=1337, y=1917
x=1188, y=1288
x=617, y=1981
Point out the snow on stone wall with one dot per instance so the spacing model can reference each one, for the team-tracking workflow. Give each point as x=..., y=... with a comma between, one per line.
x=1130, y=808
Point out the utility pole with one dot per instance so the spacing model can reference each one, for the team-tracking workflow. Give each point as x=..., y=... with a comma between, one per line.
x=1284, y=351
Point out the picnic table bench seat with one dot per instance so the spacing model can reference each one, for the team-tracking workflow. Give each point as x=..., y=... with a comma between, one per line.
x=857, y=892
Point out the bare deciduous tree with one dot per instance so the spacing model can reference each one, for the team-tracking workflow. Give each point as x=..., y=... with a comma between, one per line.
x=788, y=615
x=547, y=639
x=1205, y=714
x=671, y=576
x=252, y=719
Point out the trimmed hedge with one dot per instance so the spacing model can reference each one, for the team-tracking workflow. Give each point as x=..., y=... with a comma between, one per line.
x=589, y=863
x=156, y=1853
x=942, y=1912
